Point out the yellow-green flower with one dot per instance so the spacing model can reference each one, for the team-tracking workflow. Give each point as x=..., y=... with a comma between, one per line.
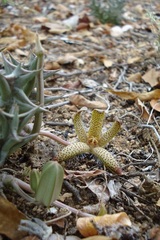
x=93, y=141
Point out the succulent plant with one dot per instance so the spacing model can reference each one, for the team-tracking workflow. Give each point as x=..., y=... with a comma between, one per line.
x=18, y=104
x=93, y=141
x=108, y=11
x=48, y=183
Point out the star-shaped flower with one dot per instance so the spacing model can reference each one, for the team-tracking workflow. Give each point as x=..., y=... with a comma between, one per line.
x=93, y=141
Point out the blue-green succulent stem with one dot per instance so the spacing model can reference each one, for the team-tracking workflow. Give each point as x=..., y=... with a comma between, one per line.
x=40, y=86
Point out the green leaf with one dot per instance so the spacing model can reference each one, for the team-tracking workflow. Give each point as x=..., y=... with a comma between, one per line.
x=50, y=183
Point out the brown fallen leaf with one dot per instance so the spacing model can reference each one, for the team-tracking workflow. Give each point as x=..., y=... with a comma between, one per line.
x=55, y=28
x=158, y=202
x=68, y=58
x=87, y=228
x=107, y=62
x=10, y=218
x=40, y=19
x=155, y=104
x=154, y=233
x=81, y=101
x=143, y=109
x=144, y=96
x=31, y=238
x=132, y=60
x=98, y=237
x=152, y=77
x=135, y=77
x=70, y=174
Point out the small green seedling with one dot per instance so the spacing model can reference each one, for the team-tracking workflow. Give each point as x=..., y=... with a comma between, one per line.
x=48, y=183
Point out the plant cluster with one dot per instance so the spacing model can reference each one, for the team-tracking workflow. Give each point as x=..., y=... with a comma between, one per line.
x=21, y=101
x=108, y=11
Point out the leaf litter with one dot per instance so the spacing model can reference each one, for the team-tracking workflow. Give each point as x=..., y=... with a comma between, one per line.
x=127, y=65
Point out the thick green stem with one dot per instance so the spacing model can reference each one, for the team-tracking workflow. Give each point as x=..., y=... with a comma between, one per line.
x=40, y=86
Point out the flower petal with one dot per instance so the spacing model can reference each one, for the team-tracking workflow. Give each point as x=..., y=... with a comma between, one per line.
x=96, y=124
x=79, y=128
x=107, y=159
x=107, y=136
x=73, y=150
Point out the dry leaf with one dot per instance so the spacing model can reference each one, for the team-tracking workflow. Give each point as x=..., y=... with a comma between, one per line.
x=10, y=218
x=155, y=104
x=86, y=227
x=143, y=109
x=158, y=202
x=71, y=22
x=98, y=237
x=135, y=78
x=55, y=28
x=52, y=66
x=107, y=62
x=81, y=101
x=83, y=174
x=40, y=19
x=31, y=238
x=154, y=233
x=99, y=189
x=144, y=96
x=152, y=77
x=68, y=58
x=57, y=236
x=131, y=60
x=113, y=188
x=90, y=83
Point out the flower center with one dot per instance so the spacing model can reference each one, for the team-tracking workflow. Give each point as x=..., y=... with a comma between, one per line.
x=92, y=142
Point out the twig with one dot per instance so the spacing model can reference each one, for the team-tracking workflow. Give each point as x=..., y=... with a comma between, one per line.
x=50, y=222
x=57, y=105
x=59, y=124
x=133, y=204
x=121, y=77
x=61, y=74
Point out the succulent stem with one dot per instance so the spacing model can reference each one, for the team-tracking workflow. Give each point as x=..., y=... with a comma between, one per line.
x=40, y=86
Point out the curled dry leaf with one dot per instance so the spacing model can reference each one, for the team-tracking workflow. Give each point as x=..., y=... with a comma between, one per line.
x=144, y=96
x=86, y=225
x=81, y=101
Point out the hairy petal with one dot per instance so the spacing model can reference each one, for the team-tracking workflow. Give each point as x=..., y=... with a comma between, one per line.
x=107, y=159
x=79, y=128
x=107, y=136
x=73, y=150
x=96, y=124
